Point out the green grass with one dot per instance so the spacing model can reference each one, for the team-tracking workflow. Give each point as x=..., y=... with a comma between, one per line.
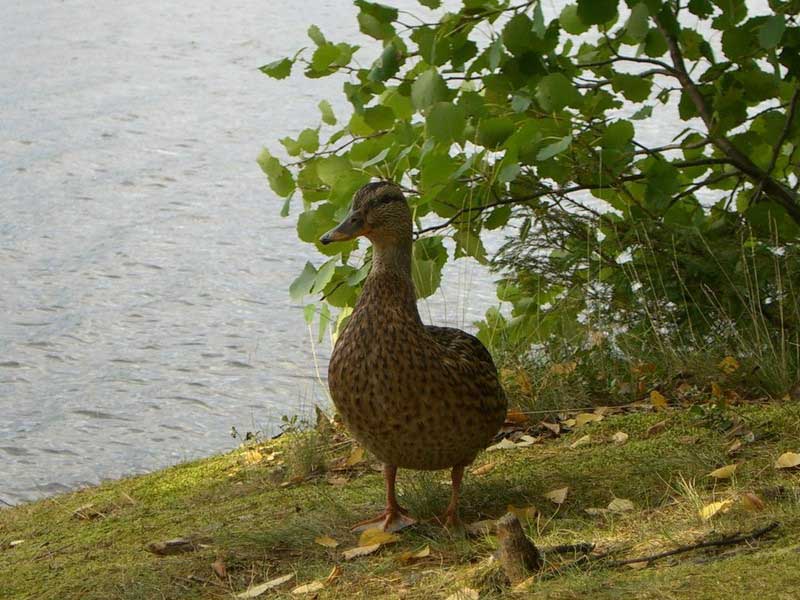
x=262, y=529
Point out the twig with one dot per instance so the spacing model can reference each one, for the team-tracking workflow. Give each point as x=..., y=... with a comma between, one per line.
x=726, y=541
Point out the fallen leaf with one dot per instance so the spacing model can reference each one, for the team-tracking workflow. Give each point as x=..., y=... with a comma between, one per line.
x=504, y=444
x=569, y=423
x=526, y=440
x=525, y=513
x=725, y=472
x=377, y=536
x=327, y=541
x=308, y=588
x=728, y=364
x=338, y=481
x=219, y=568
x=525, y=584
x=620, y=505
x=483, y=469
x=752, y=502
x=709, y=510
x=657, y=428
x=558, y=495
x=484, y=527
x=516, y=417
x=15, y=543
x=554, y=427
x=716, y=390
x=464, y=594
x=356, y=456
x=620, y=437
x=252, y=457
x=581, y=441
x=658, y=400
x=637, y=566
x=602, y=410
x=257, y=590
x=333, y=575
x=788, y=460
x=563, y=368
x=360, y=551
x=176, y=546
x=734, y=447
x=584, y=418
x=409, y=557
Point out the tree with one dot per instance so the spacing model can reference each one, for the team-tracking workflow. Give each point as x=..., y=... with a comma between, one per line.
x=494, y=118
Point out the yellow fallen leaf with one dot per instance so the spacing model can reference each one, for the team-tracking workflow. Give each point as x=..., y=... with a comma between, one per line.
x=728, y=364
x=356, y=456
x=554, y=427
x=620, y=437
x=620, y=505
x=338, y=481
x=377, y=536
x=483, y=469
x=658, y=400
x=637, y=566
x=464, y=594
x=327, y=541
x=709, y=510
x=716, y=390
x=752, y=502
x=360, y=551
x=558, y=495
x=256, y=590
x=504, y=444
x=734, y=447
x=563, y=368
x=525, y=513
x=569, y=423
x=584, y=418
x=333, y=575
x=252, y=457
x=725, y=472
x=15, y=543
x=408, y=557
x=526, y=440
x=309, y=588
x=788, y=460
x=581, y=441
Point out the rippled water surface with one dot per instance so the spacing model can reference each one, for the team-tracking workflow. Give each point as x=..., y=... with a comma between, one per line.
x=143, y=265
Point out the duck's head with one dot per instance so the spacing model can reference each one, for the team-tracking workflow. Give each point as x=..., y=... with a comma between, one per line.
x=379, y=212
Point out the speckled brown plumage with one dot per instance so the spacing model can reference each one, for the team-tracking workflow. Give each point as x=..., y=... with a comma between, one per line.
x=416, y=396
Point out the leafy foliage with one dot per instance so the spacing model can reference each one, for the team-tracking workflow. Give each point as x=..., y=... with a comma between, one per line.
x=494, y=118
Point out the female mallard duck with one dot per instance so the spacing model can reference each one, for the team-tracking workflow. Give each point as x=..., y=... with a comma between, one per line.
x=416, y=396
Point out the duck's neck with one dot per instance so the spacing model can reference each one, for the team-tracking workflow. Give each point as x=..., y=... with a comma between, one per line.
x=389, y=288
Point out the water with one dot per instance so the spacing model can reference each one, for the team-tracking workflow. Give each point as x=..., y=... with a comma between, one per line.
x=143, y=265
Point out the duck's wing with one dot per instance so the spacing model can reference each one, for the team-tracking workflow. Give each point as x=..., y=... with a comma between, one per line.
x=471, y=367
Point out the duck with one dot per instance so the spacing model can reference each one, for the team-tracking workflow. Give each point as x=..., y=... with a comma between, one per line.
x=416, y=396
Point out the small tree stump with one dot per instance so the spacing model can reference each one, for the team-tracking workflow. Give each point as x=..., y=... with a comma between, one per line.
x=518, y=556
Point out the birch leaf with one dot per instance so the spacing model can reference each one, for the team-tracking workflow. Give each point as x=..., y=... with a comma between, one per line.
x=709, y=510
x=620, y=437
x=725, y=472
x=658, y=400
x=257, y=590
x=356, y=456
x=619, y=505
x=584, y=418
x=788, y=460
x=373, y=536
x=327, y=541
x=360, y=551
x=308, y=588
x=558, y=495
x=581, y=441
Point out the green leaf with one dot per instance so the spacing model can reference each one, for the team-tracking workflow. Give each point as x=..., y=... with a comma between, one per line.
x=643, y=113
x=324, y=322
x=638, y=23
x=518, y=33
x=571, y=22
x=278, y=69
x=508, y=173
x=771, y=31
x=445, y=122
x=324, y=275
x=327, y=112
x=493, y=132
x=617, y=134
x=331, y=168
x=316, y=35
x=427, y=276
x=555, y=148
x=280, y=179
x=379, y=117
x=387, y=65
x=498, y=217
x=431, y=3
x=555, y=91
x=597, y=12
x=634, y=87
x=427, y=89
x=375, y=19
x=468, y=243
x=302, y=285
x=309, y=312
x=701, y=8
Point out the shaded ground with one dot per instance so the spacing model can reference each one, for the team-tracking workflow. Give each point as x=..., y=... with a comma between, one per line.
x=246, y=511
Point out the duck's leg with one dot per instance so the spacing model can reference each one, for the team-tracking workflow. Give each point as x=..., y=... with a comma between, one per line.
x=395, y=517
x=450, y=516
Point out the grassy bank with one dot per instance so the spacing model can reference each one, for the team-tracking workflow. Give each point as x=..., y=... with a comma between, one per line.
x=255, y=514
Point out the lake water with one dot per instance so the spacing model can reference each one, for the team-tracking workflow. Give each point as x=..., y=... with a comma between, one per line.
x=143, y=265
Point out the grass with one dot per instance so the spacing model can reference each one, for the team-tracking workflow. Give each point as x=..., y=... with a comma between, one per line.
x=247, y=509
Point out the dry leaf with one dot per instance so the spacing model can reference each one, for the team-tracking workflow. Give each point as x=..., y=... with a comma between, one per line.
x=338, y=481
x=409, y=557
x=356, y=456
x=728, y=364
x=558, y=496
x=657, y=428
x=554, y=427
x=327, y=541
x=716, y=390
x=584, y=418
x=581, y=441
x=333, y=575
x=484, y=527
x=709, y=510
x=504, y=444
x=568, y=423
x=563, y=368
x=620, y=437
x=483, y=469
x=15, y=543
x=788, y=460
x=637, y=566
x=525, y=584
x=464, y=594
x=526, y=440
x=308, y=588
x=620, y=505
x=257, y=590
x=377, y=536
x=176, y=546
x=516, y=417
x=734, y=447
x=525, y=513
x=725, y=472
x=252, y=457
x=219, y=568
x=360, y=551
x=658, y=400
x=752, y=502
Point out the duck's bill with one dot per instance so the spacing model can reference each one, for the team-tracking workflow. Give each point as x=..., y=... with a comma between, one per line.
x=346, y=230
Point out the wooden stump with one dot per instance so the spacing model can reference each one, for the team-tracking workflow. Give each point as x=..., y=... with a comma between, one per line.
x=518, y=556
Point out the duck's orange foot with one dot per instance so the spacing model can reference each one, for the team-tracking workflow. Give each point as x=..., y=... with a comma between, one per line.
x=389, y=520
